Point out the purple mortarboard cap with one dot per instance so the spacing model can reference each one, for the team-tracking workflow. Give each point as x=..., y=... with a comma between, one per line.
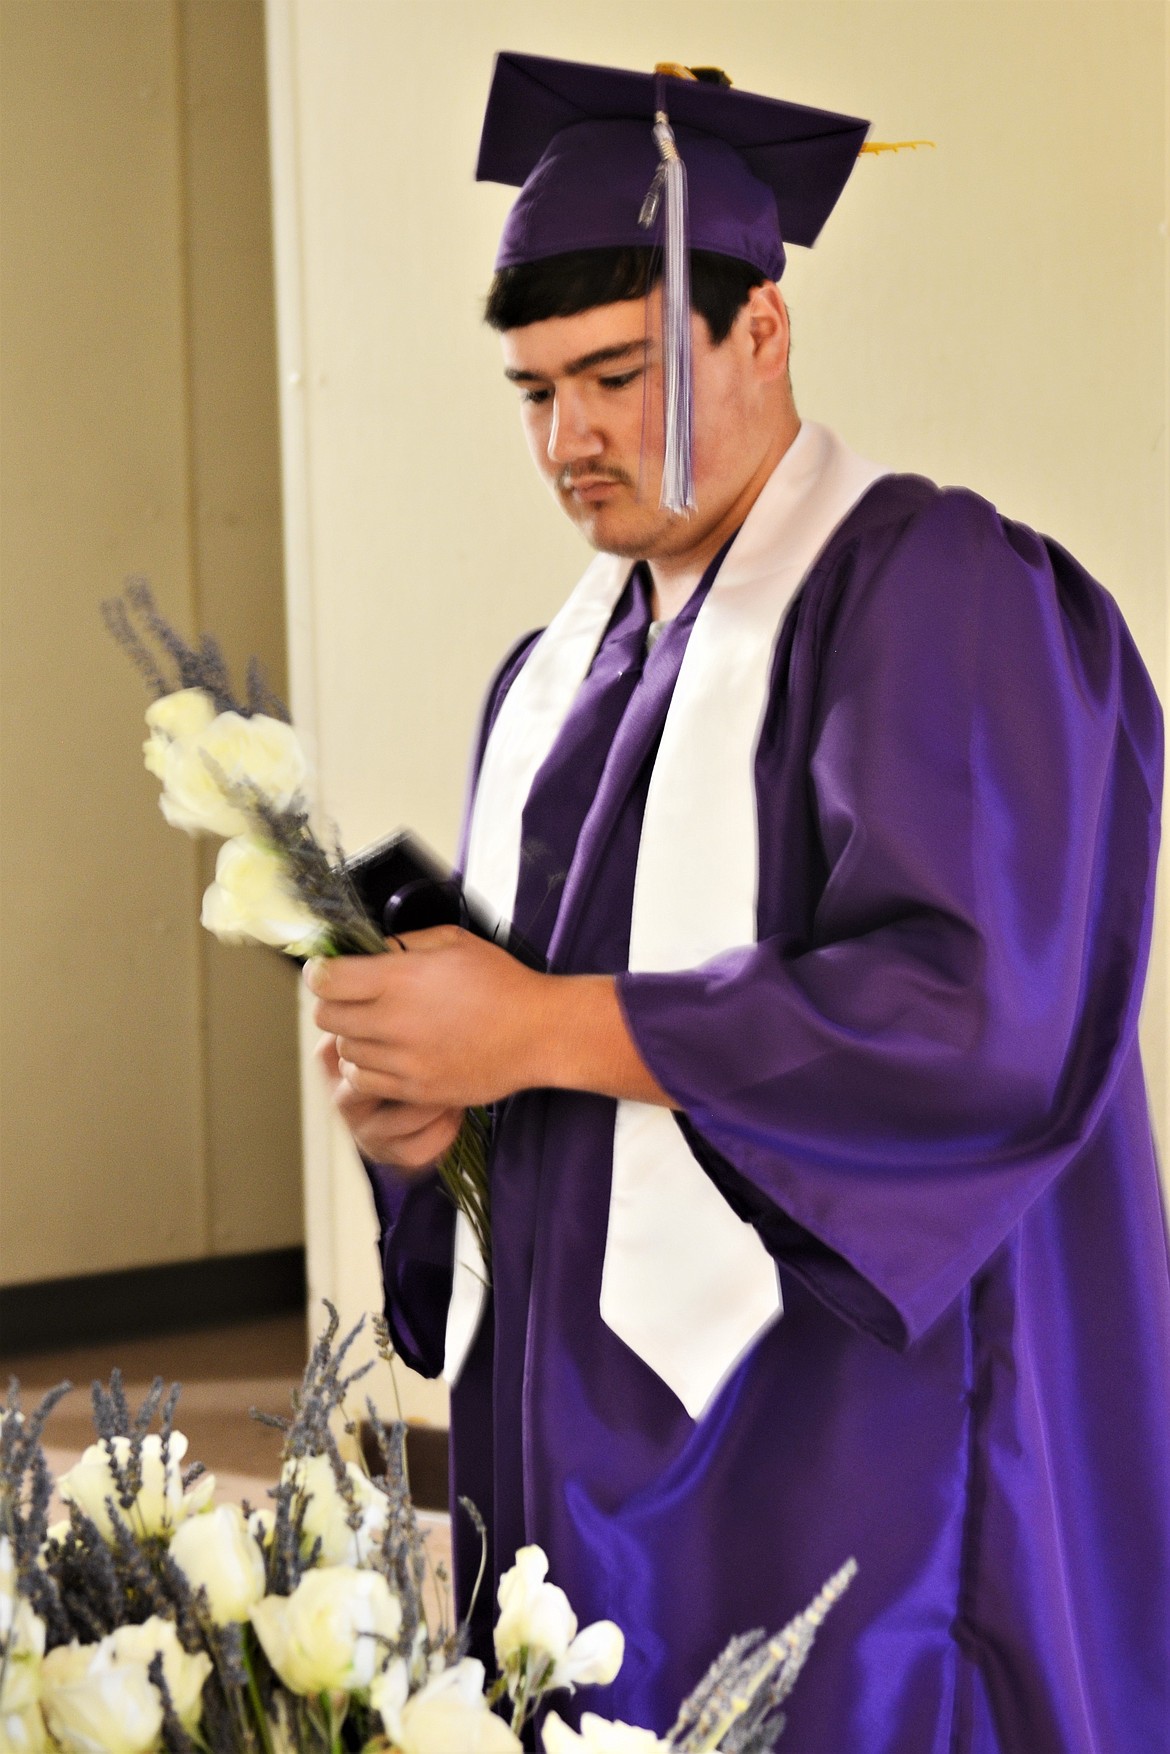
x=579, y=142
x=606, y=159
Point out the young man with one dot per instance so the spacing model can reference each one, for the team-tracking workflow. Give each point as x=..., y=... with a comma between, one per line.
x=825, y=1218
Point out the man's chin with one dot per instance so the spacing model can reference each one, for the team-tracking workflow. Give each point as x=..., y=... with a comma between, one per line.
x=628, y=538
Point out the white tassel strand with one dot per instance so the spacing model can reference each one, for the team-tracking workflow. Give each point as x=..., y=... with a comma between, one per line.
x=678, y=486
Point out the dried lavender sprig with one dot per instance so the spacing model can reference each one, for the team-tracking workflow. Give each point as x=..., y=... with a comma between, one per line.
x=25, y=1492
x=202, y=666
x=323, y=1390
x=174, y=1736
x=401, y=1555
x=25, y=1482
x=122, y=630
x=692, y=1712
x=113, y=1420
x=260, y=697
x=88, y=1578
x=141, y=1421
x=736, y=1706
x=139, y=1579
x=321, y=883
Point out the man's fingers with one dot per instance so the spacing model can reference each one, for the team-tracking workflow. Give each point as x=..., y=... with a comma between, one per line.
x=371, y=1056
x=344, y=1016
x=328, y=1056
x=389, y=1087
x=361, y=978
x=403, y=1120
x=419, y=1150
x=347, y=978
x=430, y=938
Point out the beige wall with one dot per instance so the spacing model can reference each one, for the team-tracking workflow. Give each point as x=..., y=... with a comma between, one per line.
x=991, y=312
x=147, y=1076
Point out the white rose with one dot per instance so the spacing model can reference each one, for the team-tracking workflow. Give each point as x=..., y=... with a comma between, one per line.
x=448, y=1716
x=215, y=1552
x=331, y=1634
x=175, y=718
x=183, y=1671
x=537, y=1643
x=160, y=1504
x=326, y=1511
x=535, y=1622
x=599, y=1736
x=252, y=899
x=199, y=772
x=24, y=1732
x=95, y=1705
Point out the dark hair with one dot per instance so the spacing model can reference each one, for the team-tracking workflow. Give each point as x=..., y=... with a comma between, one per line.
x=563, y=286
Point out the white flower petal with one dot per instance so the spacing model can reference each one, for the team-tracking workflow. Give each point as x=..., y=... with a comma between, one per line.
x=326, y=1516
x=94, y=1705
x=160, y=1504
x=449, y=1715
x=217, y=1553
x=252, y=898
x=183, y=1671
x=331, y=1634
x=599, y=1736
x=535, y=1618
x=593, y=1658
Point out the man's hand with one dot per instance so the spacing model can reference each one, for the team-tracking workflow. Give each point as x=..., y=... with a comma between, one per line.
x=408, y=1135
x=446, y=1021
x=442, y=1020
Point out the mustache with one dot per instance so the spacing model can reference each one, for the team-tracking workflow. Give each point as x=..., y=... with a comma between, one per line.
x=573, y=473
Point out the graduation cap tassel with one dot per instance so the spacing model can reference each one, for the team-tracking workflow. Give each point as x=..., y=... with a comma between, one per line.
x=670, y=182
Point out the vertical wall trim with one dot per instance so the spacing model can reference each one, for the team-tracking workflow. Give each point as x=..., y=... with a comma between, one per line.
x=191, y=535
x=288, y=241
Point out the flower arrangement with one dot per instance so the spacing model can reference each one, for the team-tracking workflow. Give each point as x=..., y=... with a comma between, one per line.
x=232, y=766
x=151, y=1619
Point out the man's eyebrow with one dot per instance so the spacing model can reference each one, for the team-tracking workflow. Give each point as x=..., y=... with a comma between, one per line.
x=586, y=363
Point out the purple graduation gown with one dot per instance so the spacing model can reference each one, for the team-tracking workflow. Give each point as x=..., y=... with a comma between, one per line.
x=922, y=1086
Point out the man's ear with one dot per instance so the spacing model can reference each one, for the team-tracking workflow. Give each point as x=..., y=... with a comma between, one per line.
x=767, y=329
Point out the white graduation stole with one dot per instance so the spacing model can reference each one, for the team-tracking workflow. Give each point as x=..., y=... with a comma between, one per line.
x=686, y=1283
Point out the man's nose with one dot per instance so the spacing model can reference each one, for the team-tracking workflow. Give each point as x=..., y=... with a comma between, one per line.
x=572, y=434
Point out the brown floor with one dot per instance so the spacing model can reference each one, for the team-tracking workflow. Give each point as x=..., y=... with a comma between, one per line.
x=224, y=1371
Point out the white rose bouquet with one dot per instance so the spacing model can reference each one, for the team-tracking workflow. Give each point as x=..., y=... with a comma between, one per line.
x=234, y=768
x=152, y=1620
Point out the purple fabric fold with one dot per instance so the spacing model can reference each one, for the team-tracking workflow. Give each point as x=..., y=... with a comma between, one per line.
x=905, y=1065
x=922, y=1085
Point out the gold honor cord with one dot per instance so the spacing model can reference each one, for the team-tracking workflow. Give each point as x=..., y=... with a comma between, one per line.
x=894, y=145
x=716, y=76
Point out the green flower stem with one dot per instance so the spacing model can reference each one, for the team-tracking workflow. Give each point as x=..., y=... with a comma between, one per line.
x=333, y=1722
x=463, y=1172
x=258, y=1710
x=520, y=1709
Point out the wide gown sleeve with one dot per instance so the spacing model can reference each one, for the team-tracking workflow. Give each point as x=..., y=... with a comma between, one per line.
x=885, y=1090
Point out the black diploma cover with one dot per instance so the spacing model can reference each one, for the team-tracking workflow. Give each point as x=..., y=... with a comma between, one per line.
x=404, y=887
